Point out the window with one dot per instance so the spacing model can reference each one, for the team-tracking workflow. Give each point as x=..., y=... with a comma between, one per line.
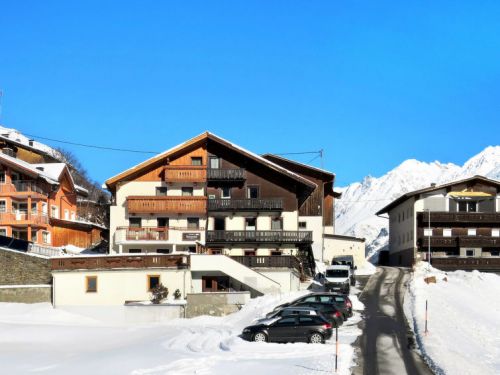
x=54, y=212
x=253, y=192
x=44, y=208
x=276, y=223
x=427, y=232
x=250, y=253
x=2, y=177
x=73, y=215
x=192, y=249
x=495, y=253
x=469, y=253
x=471, y=231
x=34, y=236
x=286, y=322
x=214, y=162
x=34, y=208
x=162, y=222
x=3, y=206
x=163, y=251
x=187, y=191
x=467, y=206
x=66, y=214
x=46, y=237
x=302, y=224
x=3, y=231
x=14, y=176
x=495, y=232
x=275, y=252
x=153, y=281
x=161, y=191
x=193, y=222
x=446, y=232
x=215, y=251
x=226, y=192
x=135, y=251
x=91, y=284
x=472, y=206
x=196, y=160
x=250, y=223
x=135, y=222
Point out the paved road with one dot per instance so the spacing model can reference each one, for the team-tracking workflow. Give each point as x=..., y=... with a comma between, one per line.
x=386, y=346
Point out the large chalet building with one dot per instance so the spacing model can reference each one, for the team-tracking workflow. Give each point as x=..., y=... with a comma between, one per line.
x=458, y=223
x=38, y=198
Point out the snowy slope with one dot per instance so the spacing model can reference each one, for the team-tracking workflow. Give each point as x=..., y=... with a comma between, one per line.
x=463, y=336
x=355, y=211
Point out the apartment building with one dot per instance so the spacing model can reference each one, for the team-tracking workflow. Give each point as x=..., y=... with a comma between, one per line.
x=458, y=223
x=38, y=203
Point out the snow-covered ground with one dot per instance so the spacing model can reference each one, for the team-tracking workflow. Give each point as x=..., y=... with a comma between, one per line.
x=463, y=320
x=38, y=339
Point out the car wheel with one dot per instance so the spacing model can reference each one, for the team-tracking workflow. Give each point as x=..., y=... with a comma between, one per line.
x=316, y=338
x=260, y=337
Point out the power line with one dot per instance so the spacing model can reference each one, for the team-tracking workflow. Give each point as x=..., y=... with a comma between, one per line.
x=298, y=153
x=91, y=146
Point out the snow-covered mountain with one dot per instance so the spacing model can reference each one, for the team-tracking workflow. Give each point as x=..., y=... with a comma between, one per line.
x=355, y=211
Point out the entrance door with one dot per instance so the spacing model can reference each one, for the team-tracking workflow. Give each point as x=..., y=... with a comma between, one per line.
x=214, y=283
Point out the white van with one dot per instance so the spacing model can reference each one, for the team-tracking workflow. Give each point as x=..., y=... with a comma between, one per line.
x=338, y=278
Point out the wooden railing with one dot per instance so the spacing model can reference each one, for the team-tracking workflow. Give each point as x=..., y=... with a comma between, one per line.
x=460, y=217
x=144, y=233
x=22, y=187
x=439, y=241
x=278, y=261
x=257, y=204
x=185, y=173
x=219, y=174
x=128, y=261
x=259, y=236
x=162, y=204
x=468, y=264
x=23, y=218
x=460, y=241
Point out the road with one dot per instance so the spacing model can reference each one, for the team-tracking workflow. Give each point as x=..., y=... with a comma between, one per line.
x=386, y=346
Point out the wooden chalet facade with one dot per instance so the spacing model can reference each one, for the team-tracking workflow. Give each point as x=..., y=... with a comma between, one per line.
x=458, y=222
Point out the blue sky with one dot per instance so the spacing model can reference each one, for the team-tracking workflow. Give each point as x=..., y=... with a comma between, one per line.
x=371, y=83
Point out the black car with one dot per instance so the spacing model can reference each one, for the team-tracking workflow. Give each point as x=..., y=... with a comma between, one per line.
x=329, y=311
x=342, y=302
x=313, y=329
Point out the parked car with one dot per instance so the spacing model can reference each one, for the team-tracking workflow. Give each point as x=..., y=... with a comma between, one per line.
x=296, y=328
x=342, y=302
x=329, y=312
x=338, y=279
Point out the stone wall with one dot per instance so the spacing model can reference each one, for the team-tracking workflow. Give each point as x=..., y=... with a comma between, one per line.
x=215, y=304
x=34, y=294
x=18, y=268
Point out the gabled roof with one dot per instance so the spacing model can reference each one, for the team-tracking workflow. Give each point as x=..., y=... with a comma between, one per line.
x=309, y=168
x=55, y=170
x=198, y=140
x=28, y=168
x=406, y=196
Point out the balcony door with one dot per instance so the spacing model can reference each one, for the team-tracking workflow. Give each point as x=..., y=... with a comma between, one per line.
x=219, y=223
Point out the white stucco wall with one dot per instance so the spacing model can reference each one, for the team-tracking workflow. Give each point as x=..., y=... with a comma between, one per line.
x=114, y=287
x=338, y=247
x=402, y=220
x=315, y=224
x=289, y=281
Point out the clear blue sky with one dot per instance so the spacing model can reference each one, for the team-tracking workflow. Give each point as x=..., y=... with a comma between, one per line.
x=371, y=82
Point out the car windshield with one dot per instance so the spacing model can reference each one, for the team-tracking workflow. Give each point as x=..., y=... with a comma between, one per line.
x=337, y=273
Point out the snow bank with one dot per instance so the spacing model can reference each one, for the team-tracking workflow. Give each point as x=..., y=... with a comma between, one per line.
x=463, y=323
x=37, y=338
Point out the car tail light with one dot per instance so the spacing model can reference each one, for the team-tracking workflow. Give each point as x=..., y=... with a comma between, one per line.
x=327, y=326
x=348, y=303
x=337, y=314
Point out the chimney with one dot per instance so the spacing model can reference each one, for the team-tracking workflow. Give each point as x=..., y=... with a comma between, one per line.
x=40, y=168
x=30, y=142
x=433, y=184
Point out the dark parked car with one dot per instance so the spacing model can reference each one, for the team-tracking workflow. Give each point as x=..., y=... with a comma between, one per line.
x=329, y=312
x=338, y=300
x=313, y=329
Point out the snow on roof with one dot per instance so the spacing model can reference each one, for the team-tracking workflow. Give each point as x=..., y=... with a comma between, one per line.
x=30, y=167
x=53, y=170
x=15, y=136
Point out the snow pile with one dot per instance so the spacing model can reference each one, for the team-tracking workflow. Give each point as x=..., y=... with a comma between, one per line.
x=37, y=338
x=355, y=211
x=463, y=323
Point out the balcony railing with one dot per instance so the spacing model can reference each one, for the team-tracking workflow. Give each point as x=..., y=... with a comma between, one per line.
x=245, y=204
x=479, y=241
x=185, y=173
x=23, y=218
x=468, y=264
x=461, y=217
x=278, y=261
x=162, y=204
x=219, y=174
x=258, y=236
x=22, y=187
x=111, y=262
x=144, y=233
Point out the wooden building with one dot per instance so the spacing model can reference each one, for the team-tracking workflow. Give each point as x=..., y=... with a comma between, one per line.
x=458, y=223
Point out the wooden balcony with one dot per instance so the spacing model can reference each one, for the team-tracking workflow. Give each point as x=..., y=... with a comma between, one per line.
x=460, y=217
x=22, y=188
x=278, y=261
x=479, y=241
x=219, y=174
x=489, y=264
x=259, y=236
x=112, y=262
x=185, y=173
x=438, y=241
x=163, y=204
x=245, y=204
x=143, y=233
x=23, y=219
